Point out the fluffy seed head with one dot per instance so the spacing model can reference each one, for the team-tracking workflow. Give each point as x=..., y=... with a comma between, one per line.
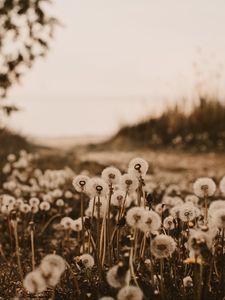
x=150, y=221
x=134, y=216
x=128, y=183
x=118, y=199
x=218, y=218
x=130, y=293
x=44, y=205
x=168, y=223
x=111, y=175
x=138, y=167
x=66, y=222
x=80, y=183
x=34, y=282
x=87, y=260
x=97, y=187
x=204, y=187
x=188, y=212
x=163, y=246
x=222, y=185
x=115, y=278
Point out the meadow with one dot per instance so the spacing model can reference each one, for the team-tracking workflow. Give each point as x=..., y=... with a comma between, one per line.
x=112, y=225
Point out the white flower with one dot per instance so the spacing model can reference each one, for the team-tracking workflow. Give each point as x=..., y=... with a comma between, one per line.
x=187, y=282
x=66, y=222
x=55, y=261
x=138, y=167
x=128, y=183
x=80, y=183
x=111, y=175
x=77, y=225
x=204, y=187
x=196, y=239
x=134, y=216
x=87, y=260
x=34, y=201
x=188, y=212
x=118, y=199
x=34, y=282
x=115, y=277
x=97, y=187
x=168, y=223
x=130, y=293
x=222, y=185
x=163, y=246
x=218, y=218
x=150, y=221
x=25, y=208
x=44, y=206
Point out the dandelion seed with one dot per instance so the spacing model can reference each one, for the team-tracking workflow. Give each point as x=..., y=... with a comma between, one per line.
x=77, y=225
x=168, y=223
x=97, y=187
x=87, y=260
x=25, y=208
x=134, y=216
x=187, y=282
x=128, y=183
x=80, y=183
x=204, y=187
x=34, y=282
x=34, y=201
x=149, y=222
x=138, y=167
x=130, y=293
x=114, y=278
x=55, y=261
x=66, y=222
x=188, y=212
x=163, y=246
x=111, y=175
x=59, y=202
x=45, y=206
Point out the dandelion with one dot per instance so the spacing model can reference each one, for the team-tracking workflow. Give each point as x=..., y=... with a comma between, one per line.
x=120, y=198
x=106, y=298
x=80, y=183
x=138, y=167
x=44, y=206
x=128, y=183
x=204, y=187
x=130, y=293
x=115, y=277
x=168, y=223
x=55, y=261
x=50, y=273
x=134, y=216
x=111, y=175
x=59, y=202
x=34, y=201
x=218, y=218
x=77, y=225
x=66, y=222
x=97, y=187
x=34, y=282
x=150, y=221
x=192, y=198
x=197, y=240
x=187, y=282
x=25, y=208
x=87, y=260
x=188, y=212
x=163, y=246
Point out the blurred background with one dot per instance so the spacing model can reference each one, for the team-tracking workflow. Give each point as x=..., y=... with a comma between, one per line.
x=130, y=75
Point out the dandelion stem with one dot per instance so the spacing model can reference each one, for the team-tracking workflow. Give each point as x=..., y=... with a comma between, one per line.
x=17, y=250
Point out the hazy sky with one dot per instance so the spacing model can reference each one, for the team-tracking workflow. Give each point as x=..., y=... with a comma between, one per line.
x=115, y=61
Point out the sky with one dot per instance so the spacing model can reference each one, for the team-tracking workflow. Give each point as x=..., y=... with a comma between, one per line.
x=116, y=61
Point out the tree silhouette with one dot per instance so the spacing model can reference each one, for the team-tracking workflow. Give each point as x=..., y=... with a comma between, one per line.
x=26, y=28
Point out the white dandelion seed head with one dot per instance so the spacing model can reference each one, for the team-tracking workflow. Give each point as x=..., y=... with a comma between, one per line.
x=168, y=223
x=87, y=260
x=175, y=211
x=163, y=246
x=11, y=157
x=118, y=198
x=97, y=187
x=8, y=200
x=44, y=205
x=216, y=205
x=222, y=185
x=55, y=261
x=101, y=203
x=77, y=225
x=59, y=202
x=218, y=218
x=106, y=298
x=34, y=201
x=115, y=279
x=50, y=273
x=34, y=282
x=66, y=223
x=128, y=183
x=188, y=212
x=149, y=222
x=134, y=216
x=68, y=194
x=197, y=238
x=172, y=189
x=130, y=293
x=80, y=183
x=204, y=187
x=187, y=282
x=192, y=199
x=138, y=167
x=111, y=175
x=25, y=208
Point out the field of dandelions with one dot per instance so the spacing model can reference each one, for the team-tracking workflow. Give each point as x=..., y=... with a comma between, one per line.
x=123, y=235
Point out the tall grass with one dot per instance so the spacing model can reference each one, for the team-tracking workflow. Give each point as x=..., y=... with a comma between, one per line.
x=203, y=128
